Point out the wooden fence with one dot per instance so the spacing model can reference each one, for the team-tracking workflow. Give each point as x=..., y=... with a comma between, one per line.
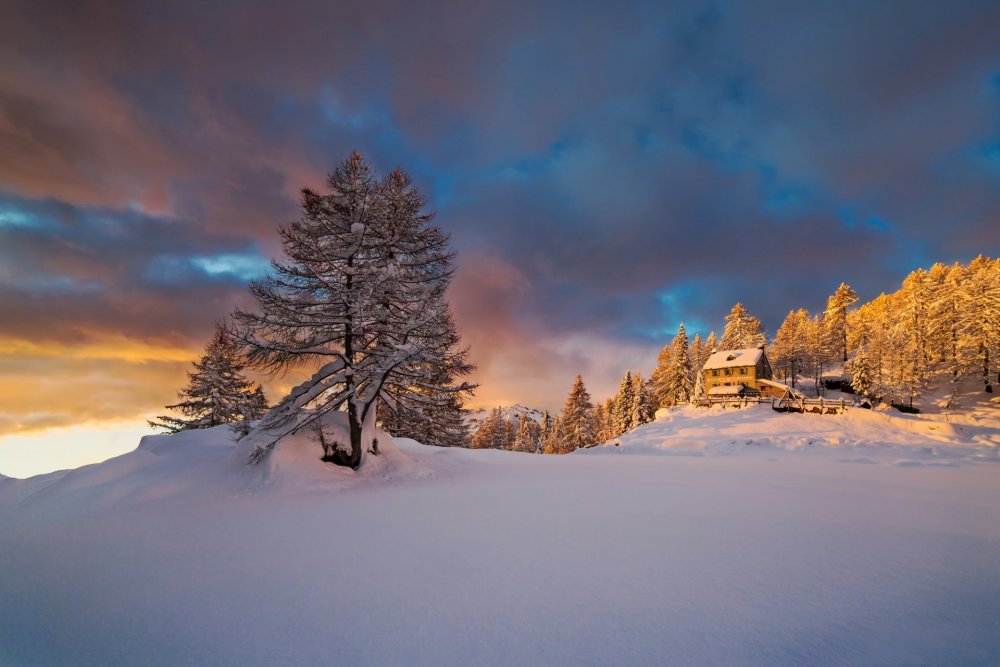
x=820, y=406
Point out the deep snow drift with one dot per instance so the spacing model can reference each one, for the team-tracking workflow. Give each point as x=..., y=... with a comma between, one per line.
x=760, y=540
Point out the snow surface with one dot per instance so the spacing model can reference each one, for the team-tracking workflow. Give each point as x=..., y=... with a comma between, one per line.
x=726, y=389
x=706, y=537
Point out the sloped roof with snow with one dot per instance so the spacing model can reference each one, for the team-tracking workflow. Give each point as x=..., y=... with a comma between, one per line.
x=778, y=385
x=734, y=358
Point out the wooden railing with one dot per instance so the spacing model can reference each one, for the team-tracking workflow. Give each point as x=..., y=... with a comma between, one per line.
x=820, y=406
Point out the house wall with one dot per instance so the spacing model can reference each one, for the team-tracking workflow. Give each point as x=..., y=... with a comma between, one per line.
x=740, y=375
x=746, y=375
x=771, y=392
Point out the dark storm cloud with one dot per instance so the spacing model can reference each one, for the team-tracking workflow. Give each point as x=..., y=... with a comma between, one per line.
x=606, y=171
x=71, y=272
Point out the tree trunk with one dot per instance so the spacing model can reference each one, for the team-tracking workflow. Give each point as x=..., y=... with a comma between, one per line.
x=986, y=369
x=351, y=459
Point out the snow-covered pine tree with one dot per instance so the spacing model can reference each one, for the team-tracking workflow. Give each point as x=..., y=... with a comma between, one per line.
x=916, y=297
x=874, y=323
x=576, y=427
x=427, y=411
x=649, y=404
x=361, y=293
x=660, y=377
x=711, y=345
x=528, y=436
x=551, y=444
x=509, y=432
x=817, y=348
x=788, y=348
x=696, y=363
x=638, y=389
x=446, y=424
x=861, y=372
x=601, y=422
x=254, y=407
x=679, y=386
x=644, y=407
x=707, y=347
x=489, y=435
x=979, y=319
x=547, y=426
x=743, y=330
x=607, y=428
x=217, y=391
x=621, y=420
x=424, y=415
x=944, y=318
x=835, y=319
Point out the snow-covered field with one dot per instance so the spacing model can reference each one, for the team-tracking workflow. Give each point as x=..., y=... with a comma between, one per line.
x=704, y=538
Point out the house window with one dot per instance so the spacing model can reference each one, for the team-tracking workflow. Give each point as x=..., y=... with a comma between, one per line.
x=743, y=371
x=729, y=371
x=715, y=373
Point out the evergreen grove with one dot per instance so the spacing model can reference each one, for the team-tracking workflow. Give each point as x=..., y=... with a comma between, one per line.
x=945, y=320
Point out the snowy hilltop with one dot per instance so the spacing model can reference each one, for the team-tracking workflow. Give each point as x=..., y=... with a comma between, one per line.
x=858, y=435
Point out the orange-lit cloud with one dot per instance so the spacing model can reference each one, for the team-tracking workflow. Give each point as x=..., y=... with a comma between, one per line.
x=109, y=378
x=46, y=386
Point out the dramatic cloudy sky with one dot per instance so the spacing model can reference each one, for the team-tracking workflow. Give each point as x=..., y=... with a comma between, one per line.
x=607, y=170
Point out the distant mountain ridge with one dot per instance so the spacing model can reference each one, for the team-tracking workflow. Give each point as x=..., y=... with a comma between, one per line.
x=475, y=417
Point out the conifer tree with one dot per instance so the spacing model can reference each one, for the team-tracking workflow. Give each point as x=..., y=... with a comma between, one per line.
x=680, y=389
x=440, y=421
x=711, y=346
x=696, y=359
x=644, y=407
x=576, y=427
x=862, y=376
x=552, y=444
x=608, y=428
x=547, y=426
x=660, y=377
x=835, y=319
x=638, y=389
x=490, y=433
x=705, y=351
x=621, y=420
x=361, y=294
x=979, y=319
x=601, y=422
x=915, y=300
x=788, y=350
x=817, y=348
x=217, y=391
x=743, y=330
x=508, y=433
x=528, y=435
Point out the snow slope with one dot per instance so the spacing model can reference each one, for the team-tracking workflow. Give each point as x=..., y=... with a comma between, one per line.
x=774, y=553
x=857, y=435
